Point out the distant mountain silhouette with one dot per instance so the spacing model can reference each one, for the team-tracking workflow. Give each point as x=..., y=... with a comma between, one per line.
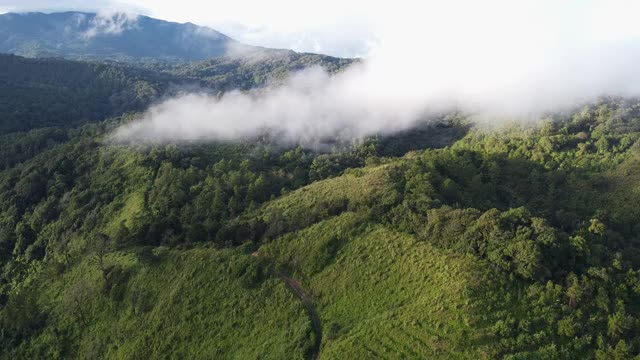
x=117, y=36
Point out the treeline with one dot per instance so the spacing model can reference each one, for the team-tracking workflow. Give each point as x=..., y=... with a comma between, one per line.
x=252, y=68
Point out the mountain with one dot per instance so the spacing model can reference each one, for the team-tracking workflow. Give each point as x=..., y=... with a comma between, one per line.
x=40, y=89
x=117, y=36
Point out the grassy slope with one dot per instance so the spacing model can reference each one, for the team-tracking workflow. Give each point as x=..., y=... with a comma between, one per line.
x=383, y=294
x=189, y=304
x=356, y=187
x=378, y=292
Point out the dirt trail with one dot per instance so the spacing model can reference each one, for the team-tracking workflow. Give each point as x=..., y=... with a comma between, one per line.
x=298, y=291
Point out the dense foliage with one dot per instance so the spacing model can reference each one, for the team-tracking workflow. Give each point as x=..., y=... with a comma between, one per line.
x=253, y=68
x=445, y=241
x=48, y=92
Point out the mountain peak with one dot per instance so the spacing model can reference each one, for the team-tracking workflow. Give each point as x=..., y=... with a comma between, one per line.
x=113, y=36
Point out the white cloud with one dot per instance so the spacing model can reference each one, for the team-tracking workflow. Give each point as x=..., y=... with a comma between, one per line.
x=312, y=106
x=496, y=57
x=111, y=22
x=329, y=27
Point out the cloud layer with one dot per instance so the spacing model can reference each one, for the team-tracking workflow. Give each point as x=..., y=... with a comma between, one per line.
x=501, y=58
x=311, y=107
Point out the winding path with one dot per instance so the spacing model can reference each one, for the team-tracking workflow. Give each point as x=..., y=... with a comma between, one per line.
x=298, y=291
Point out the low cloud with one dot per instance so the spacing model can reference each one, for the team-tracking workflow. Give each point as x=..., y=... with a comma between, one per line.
x=111, y=23
x=496, y=59
x=310, y=107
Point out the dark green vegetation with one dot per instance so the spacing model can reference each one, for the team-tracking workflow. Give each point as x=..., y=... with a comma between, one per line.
x=40, y=93
x=447, y=241
x=117, y=36
x=48, y=92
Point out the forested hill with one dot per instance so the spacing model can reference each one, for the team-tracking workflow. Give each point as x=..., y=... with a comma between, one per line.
x=517, y=243
x=55, y=92
x=116, y=36
x=444, y=241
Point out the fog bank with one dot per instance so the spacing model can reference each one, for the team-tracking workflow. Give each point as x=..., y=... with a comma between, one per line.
x=499, y=59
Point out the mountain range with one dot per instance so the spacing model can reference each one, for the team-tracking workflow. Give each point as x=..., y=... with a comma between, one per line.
x=115, y=36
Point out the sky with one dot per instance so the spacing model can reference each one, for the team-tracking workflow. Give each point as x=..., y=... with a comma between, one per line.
x=354, y=27
x=331, y=27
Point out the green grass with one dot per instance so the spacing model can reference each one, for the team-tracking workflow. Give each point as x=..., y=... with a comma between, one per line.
x=382, y=294
x=132, y=209
x=193, y=304
x=355, y=187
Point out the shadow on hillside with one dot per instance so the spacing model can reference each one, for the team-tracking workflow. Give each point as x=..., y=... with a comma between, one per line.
x=426, y=135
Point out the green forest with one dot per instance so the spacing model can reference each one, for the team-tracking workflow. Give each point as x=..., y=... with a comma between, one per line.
x=447, y=241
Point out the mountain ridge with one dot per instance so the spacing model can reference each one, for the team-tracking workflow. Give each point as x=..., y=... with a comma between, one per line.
x=41, y=92
x=115, y=36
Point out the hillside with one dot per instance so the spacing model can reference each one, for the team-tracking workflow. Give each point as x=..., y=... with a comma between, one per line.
x=41, y=93
x=513, y=243
x=50, y=92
